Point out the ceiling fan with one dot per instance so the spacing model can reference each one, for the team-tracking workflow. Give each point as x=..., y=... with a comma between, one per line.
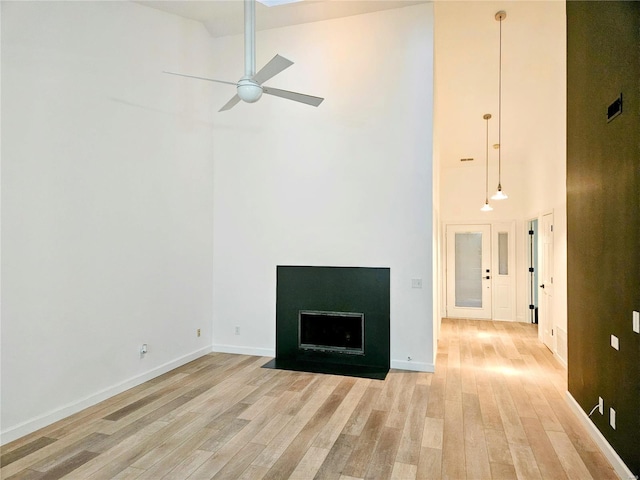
x=250, y=87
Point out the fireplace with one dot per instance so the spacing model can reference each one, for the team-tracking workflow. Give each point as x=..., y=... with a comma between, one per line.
x=333, y=320
x=341, y=332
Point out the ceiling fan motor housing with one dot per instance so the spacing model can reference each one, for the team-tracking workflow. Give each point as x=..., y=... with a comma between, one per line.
x=248, y=90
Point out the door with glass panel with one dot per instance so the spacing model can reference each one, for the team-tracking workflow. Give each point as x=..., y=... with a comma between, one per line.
x=469, y=271
x=504, y=275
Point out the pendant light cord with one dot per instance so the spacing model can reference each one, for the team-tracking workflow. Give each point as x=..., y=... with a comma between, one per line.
x=500, y=112
x=487, y=162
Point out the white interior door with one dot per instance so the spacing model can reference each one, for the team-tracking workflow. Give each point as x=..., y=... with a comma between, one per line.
x=469, y=271
x=545, y=297
x=504, y=272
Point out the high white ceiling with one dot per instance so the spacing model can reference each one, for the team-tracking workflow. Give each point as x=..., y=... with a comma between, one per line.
x=225, y=17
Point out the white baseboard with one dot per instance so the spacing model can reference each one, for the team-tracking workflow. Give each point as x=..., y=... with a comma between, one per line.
x=618, y=465
x=34, y=424
x=413, y=366
x=259, y=352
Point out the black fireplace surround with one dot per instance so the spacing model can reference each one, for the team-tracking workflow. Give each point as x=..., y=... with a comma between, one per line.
x=344, y=314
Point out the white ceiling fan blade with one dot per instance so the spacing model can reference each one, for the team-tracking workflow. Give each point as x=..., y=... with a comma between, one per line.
x=201, y=78
x=271, y=69
x=231, y=103
x=298, y=97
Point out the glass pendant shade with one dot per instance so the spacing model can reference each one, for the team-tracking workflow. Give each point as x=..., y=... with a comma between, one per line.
x=486, y=207
x=499, y=195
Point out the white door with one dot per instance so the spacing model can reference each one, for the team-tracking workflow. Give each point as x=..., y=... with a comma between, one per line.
x=545, y=296
x=469, y=271
x=504, y=272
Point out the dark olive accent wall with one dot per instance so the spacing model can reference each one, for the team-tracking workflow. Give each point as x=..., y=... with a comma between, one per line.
x=603, y=215
x=334, y=289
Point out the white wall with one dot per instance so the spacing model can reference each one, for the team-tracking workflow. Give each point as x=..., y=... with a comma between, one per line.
x=107, y=221
x=346, y=184
x=533, y=120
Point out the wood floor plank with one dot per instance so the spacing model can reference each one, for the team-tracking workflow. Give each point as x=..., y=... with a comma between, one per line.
x=86, y=443
x=398, y=412
x=411, y=442
x=475, y=446
x=283, y=439
x=568, y=456
x=435, y=407
x=432, y=433
x=524, y=462
x=359, y=460
x=129, y=473
x=68, y=466
x=295, y=452
x=310, y=464
x=430, y=464
x=383, y=458
x=389, y=391
x=253, y=472
x=500, y=471
x=186, y=467
x=498, y=447
x=25, y=450
x=333, y=465
x=239, y=462
x=488, y=407
x=26, y=474
x=404, y=471
x=453, y=452
x=508, y=413
x=546, y=457
x=158, y=462
x=338, y=421
x=358, y=419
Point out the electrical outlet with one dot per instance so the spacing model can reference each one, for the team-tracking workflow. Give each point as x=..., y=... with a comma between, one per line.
x=416, y=283
x=600, y=405
x=198, y=332
x=636, y=321
x=612, y=418
x=615, y=343
x=237, y=330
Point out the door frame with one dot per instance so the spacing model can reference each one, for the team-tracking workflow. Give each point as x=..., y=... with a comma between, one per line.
x=546, y=324
x=533, y=261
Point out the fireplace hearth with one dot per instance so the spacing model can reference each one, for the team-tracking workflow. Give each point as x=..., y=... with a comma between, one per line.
x=333, y=320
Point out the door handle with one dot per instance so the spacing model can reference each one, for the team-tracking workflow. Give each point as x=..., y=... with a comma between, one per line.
x=487, y=277
x=542, y=286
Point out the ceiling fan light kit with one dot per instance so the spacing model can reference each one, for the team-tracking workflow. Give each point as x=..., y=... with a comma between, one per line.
x=250, y=87
x=249, y=91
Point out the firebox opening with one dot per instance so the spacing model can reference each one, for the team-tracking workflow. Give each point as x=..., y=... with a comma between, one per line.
x=340, y=332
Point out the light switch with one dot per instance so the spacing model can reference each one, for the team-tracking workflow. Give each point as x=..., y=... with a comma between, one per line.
x=615, y=343
x=612, y=418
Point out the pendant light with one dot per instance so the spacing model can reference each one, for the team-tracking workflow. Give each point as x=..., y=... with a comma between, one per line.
x=486, y=207
x=500, y=195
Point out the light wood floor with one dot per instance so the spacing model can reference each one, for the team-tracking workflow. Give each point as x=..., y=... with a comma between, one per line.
x=493, y=409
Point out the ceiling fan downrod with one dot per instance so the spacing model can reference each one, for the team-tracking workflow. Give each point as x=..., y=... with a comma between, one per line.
x=248, y=89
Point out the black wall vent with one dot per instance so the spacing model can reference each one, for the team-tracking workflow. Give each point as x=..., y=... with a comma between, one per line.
x=614, y=109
